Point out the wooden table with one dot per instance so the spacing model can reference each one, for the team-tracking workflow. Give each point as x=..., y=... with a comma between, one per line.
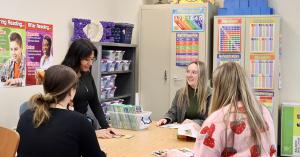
x=144, y=142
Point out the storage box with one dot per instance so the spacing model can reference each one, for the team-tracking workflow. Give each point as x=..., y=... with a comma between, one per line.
x=126, y=65
x=119, y=54
x=290, y=129
x=111, y=65
x=122, y=32
x=130, y=121
x=119, y=65
x=103, y=65
x=108, y=81
x=110, y=92
x=109, y=54
x=103, y=93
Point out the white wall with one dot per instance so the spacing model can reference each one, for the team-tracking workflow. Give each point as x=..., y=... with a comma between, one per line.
x=290, y=62
x=58, y=13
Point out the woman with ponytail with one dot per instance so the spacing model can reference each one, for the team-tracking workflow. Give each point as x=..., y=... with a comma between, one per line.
x=237, y=126
x=50, y=129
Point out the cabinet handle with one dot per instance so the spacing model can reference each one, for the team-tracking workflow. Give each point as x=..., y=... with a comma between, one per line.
x=165, y=75
x=175, y=78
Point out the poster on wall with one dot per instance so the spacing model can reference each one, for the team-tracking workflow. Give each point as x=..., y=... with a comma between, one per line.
x=229, y=34
x=189, y=19
x=262, y=70
x=266, y=98
x=224, y=58
x=12, y=52
x=187, y=48
x=21, y=51
x=39, y=49
x=262, y=35
x=290, y=129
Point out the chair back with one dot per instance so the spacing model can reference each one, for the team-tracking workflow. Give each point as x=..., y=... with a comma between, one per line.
x=9, y=142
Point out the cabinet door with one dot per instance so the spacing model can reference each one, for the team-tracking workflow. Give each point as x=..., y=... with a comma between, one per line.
x=155, y=61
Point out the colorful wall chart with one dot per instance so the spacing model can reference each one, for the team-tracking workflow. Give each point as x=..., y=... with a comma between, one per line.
x=188, y=19
x=187, y=48
x=36, y=34
x=262, y=37
x=21, y=45
x=266, y=98
x=262, y=70
x=229, y=34
x=290, y=129
x=224, y=58
x=262, y=34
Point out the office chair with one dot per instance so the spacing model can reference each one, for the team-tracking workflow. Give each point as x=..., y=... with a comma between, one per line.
x=9, y=142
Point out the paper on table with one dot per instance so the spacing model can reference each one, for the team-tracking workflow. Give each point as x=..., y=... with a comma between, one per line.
x=172, y=125
x=187, y=130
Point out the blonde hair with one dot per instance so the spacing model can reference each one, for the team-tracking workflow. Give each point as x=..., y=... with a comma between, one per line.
x=230, y=85
x=58, y=82
x=202, y=88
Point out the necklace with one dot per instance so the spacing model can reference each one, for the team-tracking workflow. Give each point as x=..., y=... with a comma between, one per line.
x=58, y=105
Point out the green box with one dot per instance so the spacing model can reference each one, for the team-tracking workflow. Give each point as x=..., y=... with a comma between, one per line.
x=290, y=129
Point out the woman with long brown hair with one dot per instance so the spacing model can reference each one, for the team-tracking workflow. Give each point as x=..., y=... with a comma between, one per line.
x=237, y=124
x=49, y=129
x=191, y=102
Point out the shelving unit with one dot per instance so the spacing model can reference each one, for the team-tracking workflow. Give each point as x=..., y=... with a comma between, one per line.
x=125, y=80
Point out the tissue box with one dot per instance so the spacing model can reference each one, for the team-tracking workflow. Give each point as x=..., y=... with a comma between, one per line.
x=130, y=121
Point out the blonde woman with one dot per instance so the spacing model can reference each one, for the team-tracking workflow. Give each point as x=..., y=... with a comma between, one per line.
x=191, y=102
x=49, y=129
x=237, y=124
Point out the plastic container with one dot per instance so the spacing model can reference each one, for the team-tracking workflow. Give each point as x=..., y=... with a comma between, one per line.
x=111, y=65
x=119, y=65
x=111, y=80
x=103, y=82
x=126, y=65
x=119, y=54
x=110, y=92
x=103, y=65
x=130, y=121
x=109, y=54
x=103, y=93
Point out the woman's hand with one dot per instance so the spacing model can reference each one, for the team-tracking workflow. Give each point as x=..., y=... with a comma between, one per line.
x=161, y=122
x=113, y=131
x=10, y=82
x=104, y=134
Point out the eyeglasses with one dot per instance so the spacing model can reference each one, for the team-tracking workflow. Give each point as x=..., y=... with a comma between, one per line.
x=89, y=59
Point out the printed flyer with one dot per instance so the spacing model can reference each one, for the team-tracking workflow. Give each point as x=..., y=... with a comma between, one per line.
x=188, y=19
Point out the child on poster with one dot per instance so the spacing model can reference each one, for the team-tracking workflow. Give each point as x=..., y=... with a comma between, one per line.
x=14, y=69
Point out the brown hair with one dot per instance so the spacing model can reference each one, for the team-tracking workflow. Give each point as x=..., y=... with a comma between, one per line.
x=230, y=85
x=17, y=38
x=58, y=82
x=202, y=88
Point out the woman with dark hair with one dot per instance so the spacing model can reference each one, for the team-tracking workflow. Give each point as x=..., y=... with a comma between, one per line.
x=46, y=60
x=80, y=57
x=49, y=129
x=14, y=69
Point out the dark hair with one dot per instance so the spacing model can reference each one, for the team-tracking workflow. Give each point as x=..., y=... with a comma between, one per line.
x=49, y=40
x=56, y=87
x=17, y=38
x=79, y=49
